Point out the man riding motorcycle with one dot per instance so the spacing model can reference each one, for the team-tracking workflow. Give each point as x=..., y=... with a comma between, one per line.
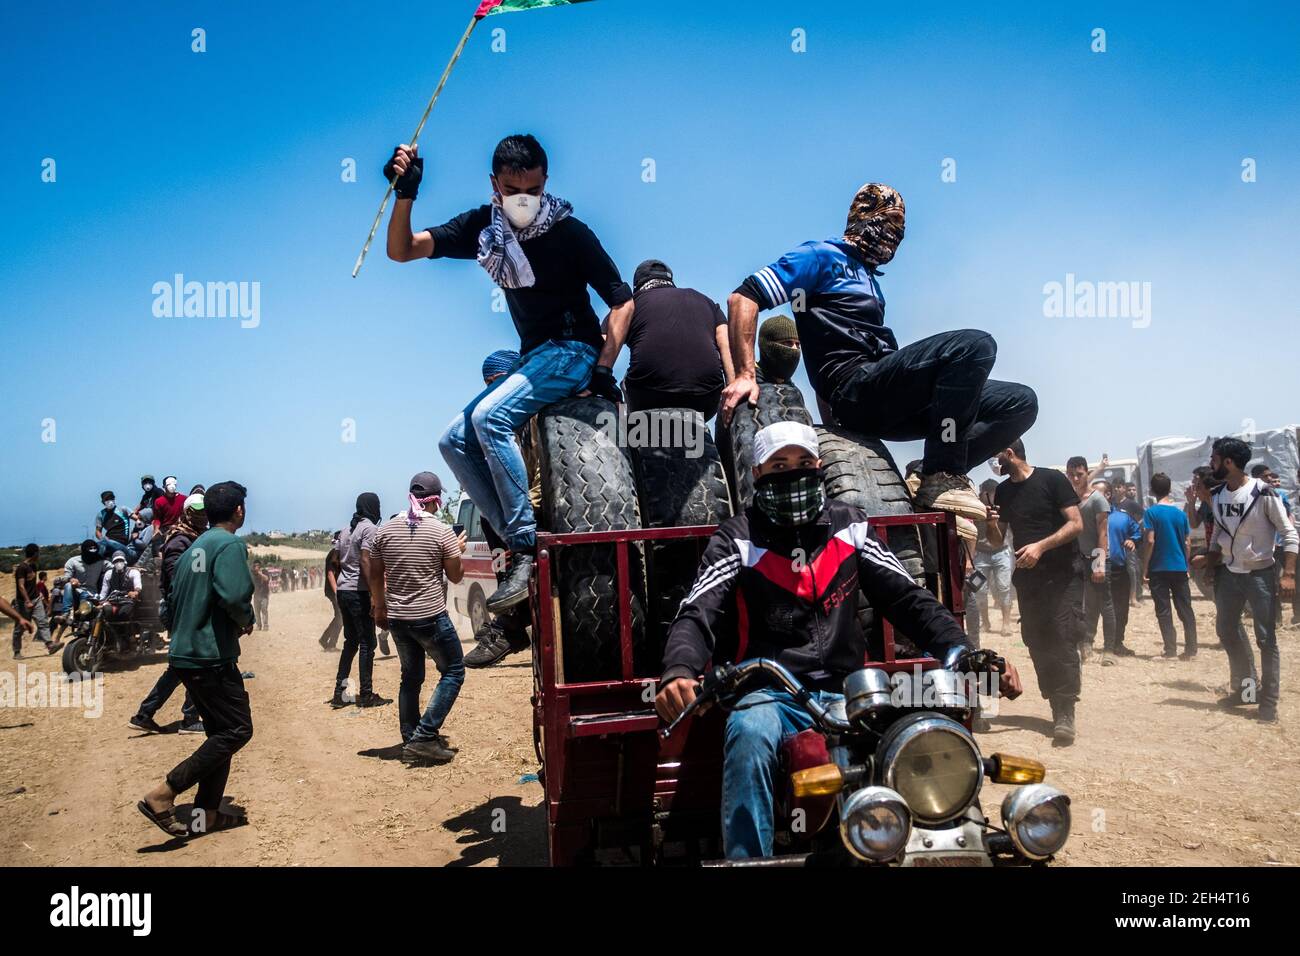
x=780, y=581
x=124, y=581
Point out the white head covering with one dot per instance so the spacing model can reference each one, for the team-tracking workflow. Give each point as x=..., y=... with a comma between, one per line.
x=780, y=435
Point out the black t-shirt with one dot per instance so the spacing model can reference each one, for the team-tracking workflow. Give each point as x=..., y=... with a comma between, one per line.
x=565, y=260
x=1033, y=510
x=24, y=571
x=673, y=339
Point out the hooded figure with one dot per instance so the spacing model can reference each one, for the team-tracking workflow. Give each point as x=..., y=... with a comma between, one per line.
x=777, y=361
x=875, y=225
x=367, y=507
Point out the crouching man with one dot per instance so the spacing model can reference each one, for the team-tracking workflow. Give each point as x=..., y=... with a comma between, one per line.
x=780, y=581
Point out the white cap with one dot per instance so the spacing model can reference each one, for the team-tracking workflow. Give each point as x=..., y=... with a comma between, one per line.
x=780, y=435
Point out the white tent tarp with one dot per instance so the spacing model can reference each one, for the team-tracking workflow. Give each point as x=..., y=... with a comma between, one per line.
x=1176, y=456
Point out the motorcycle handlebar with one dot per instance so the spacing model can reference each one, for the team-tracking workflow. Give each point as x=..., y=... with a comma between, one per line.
x=728, y=678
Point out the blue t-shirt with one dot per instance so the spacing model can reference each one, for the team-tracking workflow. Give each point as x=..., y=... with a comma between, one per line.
x=1121, y=527
x=1171, y=529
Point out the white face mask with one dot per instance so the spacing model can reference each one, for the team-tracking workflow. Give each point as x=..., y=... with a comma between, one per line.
x=170, y=487
x=110, y=504
x=521, y=209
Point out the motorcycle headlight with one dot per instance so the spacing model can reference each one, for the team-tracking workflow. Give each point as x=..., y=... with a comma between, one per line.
x=875, y=824
x=934, y=763
x=1038, y=819
x=85, y=611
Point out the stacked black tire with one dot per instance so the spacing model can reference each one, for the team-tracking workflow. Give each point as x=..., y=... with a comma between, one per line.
x=588, y=485
x=679, y=483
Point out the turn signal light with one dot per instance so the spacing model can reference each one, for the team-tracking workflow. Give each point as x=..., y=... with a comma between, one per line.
x=1011, y=769
x=822, y=781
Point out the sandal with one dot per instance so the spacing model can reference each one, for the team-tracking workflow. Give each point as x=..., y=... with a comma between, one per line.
x=165, y=821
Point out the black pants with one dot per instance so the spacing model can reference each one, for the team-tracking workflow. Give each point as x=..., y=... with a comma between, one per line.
x=1049, y=628
x=166, y=684
x=644, y=399
x=938, y=389
x=218, y=693
x=1174, y=584
x=1119, y=583
x=358, y=640
x=330, y=636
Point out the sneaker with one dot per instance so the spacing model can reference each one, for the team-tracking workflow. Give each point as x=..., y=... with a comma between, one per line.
x=515, y=587
x=337, y=700
x=194, y=728
x=495, y=646
x=1268, y=714
x=147, y=724
x=1123, y=650
x=1063, y=733
x=943, y=491
x=53, y=647
x=1106, y=659
x=383, y=645
x=426, y=751
x=372, y=700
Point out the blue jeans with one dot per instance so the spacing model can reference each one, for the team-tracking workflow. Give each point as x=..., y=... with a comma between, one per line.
x=751, y=751
x=479, y=444
x=435, y=636
x=1232, y=592
x=107, y=547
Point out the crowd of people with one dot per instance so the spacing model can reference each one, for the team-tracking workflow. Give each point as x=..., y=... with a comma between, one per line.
x=1071, y=550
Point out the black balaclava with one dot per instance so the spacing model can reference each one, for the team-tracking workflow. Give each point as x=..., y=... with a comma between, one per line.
x=778, y=361
x=367, y=507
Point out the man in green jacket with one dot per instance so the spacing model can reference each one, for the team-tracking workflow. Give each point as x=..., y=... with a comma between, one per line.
x=211, y=602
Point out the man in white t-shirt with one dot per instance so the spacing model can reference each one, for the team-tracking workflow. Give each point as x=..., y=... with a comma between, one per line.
x=1248, y=517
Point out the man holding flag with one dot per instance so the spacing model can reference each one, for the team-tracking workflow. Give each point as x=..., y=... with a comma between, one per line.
x=544, y=259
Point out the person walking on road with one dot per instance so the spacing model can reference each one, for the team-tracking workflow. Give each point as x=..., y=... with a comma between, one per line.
x=212, y=595
x=408, y=557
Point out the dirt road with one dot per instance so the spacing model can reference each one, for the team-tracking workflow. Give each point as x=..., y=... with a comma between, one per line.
x=1159, y=775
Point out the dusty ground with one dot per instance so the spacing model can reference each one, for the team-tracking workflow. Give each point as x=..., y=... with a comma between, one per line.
x=1159, y=775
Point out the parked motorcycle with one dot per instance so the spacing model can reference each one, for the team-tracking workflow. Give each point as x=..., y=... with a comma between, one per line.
x=895, y=762
x=103, y=631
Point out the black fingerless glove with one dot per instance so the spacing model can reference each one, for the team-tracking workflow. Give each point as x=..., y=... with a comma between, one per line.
x=408, y=184
x=603, y=384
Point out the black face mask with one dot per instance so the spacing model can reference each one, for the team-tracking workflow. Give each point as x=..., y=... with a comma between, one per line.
x=778, y=361
x=789, y=499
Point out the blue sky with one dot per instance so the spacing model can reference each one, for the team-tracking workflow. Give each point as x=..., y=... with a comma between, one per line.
x=225, y=166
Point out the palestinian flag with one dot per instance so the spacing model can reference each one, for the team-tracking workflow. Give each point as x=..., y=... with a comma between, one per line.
x=489, y=7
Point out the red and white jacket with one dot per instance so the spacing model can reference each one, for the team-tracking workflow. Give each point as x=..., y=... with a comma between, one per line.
x=792, y=595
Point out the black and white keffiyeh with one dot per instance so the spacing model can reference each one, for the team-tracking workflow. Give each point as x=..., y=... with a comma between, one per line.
x=499, y=251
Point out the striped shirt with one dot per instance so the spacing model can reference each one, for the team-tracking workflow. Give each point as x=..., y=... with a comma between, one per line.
x=413, y=560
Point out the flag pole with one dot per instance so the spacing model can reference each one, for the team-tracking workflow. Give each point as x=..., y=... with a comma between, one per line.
x=374, y=227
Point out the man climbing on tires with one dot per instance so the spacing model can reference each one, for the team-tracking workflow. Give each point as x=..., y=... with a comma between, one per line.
x=543, y=259
x=936, y=389
x=780, y=579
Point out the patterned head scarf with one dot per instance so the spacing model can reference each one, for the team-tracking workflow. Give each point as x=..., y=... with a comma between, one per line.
x=192, y=522
x=875, y=225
